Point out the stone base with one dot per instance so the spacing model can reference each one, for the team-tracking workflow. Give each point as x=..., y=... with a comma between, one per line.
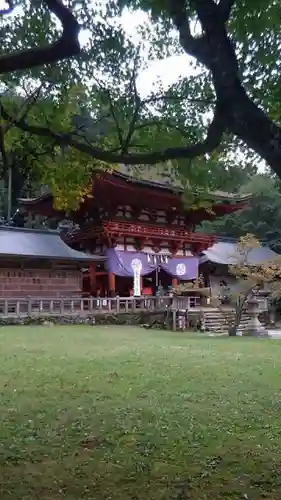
x=253, y=332
x=132, y=318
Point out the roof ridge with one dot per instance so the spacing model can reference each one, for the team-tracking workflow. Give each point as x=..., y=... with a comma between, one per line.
x=29, y=230
x=176, y=188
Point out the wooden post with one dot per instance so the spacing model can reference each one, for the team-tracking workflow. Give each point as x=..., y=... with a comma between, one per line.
x=174, y=312
x=92, y=275
x=117, y=305
x=111, y=282
x=29, y=306
x=6, y=308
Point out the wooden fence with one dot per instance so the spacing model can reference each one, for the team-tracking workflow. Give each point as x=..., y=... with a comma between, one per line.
x=26, y=307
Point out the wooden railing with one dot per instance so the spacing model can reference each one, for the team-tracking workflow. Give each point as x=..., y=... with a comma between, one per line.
x=23, y=307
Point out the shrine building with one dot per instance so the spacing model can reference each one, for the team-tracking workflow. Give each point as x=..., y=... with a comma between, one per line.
x=36, y=263
x=142, y=227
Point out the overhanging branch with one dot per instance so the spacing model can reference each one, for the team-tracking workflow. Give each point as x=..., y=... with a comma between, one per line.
x=179, y=16
x=225, y=7
x=66, y=46
x=168, y=124
x=211, y=142
x=138, y=104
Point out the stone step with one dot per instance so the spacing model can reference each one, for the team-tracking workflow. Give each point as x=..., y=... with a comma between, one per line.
x=216, y=320
x=224, y=320
x=221, y=322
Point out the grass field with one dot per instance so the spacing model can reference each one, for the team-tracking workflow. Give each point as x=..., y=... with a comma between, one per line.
x=127, y=414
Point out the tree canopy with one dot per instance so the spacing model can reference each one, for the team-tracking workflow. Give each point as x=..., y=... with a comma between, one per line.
x=258, y=217
x=223, y=117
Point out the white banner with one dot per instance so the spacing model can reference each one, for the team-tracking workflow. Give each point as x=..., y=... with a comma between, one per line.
x=137, y=266
x=137, y=284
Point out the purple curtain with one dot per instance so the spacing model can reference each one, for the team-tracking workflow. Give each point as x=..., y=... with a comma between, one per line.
x=122, y=263
x=183, y=268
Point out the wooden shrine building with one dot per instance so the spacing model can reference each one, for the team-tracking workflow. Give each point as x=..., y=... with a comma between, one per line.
x=143, y=228
x=36, y=263
x=215, y=261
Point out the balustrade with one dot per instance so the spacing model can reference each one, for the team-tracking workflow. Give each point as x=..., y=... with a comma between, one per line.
x=73, y=306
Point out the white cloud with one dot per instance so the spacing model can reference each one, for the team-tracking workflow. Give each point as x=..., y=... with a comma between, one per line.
x=168, y=71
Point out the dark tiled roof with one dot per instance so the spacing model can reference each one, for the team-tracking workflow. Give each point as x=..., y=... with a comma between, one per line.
x=157, y=177
x=166, y=178
x=228, y=254
x=32, y=243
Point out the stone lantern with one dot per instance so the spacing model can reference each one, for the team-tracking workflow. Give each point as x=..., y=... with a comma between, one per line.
x=254, y=327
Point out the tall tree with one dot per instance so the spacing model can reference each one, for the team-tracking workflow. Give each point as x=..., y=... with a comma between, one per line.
x=229, y=105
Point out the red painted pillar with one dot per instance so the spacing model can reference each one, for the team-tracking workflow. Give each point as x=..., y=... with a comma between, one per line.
x=111, y=282
x=92, y=274
x=175, y=282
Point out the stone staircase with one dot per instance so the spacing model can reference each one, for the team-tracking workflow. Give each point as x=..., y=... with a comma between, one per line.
x=217, y=321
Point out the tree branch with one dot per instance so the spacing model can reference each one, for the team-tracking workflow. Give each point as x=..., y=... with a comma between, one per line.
x=166, y=123
x=177, y=11
x=212, y=141
x=28, y=104
x=141, y=104
x=171, y=97
x=138, y=105
x=115, y=119
x=225, y=7
x=112, y=112
x=66, y=46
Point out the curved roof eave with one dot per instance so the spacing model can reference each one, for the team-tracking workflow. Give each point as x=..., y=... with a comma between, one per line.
x=38, y=244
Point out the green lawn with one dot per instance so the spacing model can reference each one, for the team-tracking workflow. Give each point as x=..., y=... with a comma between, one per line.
x=126, y=414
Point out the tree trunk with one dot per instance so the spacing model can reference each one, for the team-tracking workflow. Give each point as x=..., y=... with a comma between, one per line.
x=240, y=114
x=248, y=122
x=244, y=118
x=232, y=330
x=238, y=311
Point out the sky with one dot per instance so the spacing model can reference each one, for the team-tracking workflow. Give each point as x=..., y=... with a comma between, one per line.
x=168, y=70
